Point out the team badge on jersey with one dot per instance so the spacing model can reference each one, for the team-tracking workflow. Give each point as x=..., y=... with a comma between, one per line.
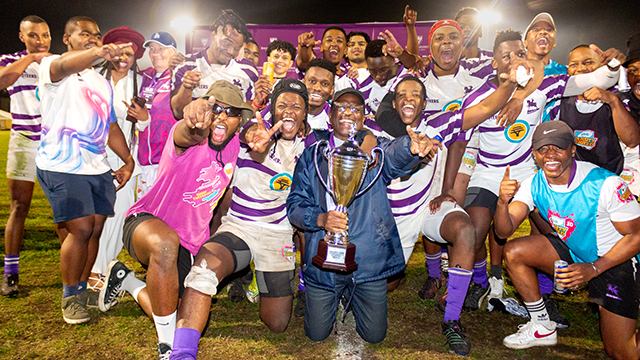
x=280, y=182
x=627, y=175
x=585, y=138
x=623, y=193
x=517, y=131
x=289, y=253
x=563, y=225
x=469, y=159
x=452, y=106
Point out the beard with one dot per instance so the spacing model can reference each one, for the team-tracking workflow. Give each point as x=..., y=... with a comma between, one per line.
x=220, y=147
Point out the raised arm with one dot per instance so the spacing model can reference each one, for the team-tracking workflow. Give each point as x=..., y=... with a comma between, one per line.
x=11, y=73
x=182, y=96
x=409, y=18
x=196, y=125
x=76, y=61
x=306, y=42
x=508, y=216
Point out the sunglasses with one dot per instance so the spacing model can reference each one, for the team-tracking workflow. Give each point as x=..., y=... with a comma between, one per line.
x=231, y=111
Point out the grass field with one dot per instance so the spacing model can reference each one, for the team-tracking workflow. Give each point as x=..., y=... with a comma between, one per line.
x=31, y=325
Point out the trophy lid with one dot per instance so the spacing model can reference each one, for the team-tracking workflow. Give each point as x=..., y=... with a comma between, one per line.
x=350, y=147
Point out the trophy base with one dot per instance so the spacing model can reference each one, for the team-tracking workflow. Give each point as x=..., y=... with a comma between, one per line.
x=334, y=257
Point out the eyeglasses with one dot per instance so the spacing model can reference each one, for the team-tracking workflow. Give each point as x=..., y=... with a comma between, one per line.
x=355, y=109
x=231, y=111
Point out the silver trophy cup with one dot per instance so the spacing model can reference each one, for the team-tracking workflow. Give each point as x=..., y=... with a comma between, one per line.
x=348, y=165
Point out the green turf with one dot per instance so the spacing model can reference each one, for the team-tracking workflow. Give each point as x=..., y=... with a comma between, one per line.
x=31, y=325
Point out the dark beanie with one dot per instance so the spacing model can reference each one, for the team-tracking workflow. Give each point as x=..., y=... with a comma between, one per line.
x=633, y=49
x=289, y=85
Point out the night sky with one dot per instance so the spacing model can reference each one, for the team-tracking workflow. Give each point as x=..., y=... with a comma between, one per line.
x=605, y=23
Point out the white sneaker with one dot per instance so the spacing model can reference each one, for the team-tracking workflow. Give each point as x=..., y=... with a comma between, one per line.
x=532, y=334
x=497, y=288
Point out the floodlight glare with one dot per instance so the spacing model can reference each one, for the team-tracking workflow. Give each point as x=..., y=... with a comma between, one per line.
x=183, y=23
x=488, y=17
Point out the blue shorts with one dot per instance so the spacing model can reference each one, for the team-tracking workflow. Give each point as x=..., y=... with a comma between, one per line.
x=73, y=196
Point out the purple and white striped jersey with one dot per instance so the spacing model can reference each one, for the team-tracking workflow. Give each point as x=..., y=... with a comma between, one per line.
x=260, y=187
x=499, y=147
x=241, y=73
x=371, y=91
x=25, y=106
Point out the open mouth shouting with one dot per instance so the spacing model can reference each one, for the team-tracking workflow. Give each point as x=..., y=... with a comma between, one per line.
x=219, y=133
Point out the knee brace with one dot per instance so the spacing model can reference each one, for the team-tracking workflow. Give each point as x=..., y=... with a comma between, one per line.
x=202, y=279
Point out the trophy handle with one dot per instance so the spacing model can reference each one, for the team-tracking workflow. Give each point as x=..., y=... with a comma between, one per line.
x=315, y=162
x=380, y=157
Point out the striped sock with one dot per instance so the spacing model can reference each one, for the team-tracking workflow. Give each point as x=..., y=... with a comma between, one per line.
x=433, y=264
x=480, y=276
x=11, y=263
x=538, y=313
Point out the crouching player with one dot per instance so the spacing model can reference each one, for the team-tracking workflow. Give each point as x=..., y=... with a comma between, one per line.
x=256, y=226
x=597, y=231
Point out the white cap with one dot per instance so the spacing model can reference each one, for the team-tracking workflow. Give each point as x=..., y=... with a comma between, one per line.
x=543, y=16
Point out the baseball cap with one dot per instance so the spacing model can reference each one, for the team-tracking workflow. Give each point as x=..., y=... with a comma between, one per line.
x=556, y=133
x=543, y=16
x=349, y=91
x=162, y=38
x=225, y=92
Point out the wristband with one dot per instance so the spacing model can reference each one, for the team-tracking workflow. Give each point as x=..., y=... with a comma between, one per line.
x=595, y=269
x=259, y=107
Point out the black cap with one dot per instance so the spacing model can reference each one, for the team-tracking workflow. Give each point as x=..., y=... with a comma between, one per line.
x=633, y=49
x=556, y=133
x=289, y=85
x=344, y=91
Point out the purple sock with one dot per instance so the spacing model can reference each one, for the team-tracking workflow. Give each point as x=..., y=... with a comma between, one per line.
x=433, y=264
x=185, y=344
x=457, y=287
x=480, y=276
x=11, y=263
x=546, y=284
x=301, y=285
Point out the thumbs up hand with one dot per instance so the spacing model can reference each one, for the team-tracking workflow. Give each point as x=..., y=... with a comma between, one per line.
x=508, y=187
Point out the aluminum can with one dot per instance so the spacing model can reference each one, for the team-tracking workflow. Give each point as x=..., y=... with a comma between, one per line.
x=268, y=69
x=559, y=264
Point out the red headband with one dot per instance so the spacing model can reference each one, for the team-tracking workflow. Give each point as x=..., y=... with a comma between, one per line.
x=442, y=23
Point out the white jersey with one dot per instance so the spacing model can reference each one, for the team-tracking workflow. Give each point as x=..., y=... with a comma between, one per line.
x=260, y=188
x=25, y=107
x=371, y=91
x=319, y=121
x=615, y=203
x=241, y=73
x=76, y=113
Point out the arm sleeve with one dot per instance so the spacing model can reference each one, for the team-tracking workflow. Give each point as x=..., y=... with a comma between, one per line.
x=602, y=78
x=303, y=208
x=524, y=194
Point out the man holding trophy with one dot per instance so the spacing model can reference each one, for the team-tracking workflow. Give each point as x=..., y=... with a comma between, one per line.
x=350, y=210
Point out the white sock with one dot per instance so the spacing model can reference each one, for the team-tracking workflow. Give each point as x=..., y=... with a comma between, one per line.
x=539, y=314
x=133, y=285
x=166, y=327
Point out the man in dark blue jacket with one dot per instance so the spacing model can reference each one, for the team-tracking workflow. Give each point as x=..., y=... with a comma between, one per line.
x=369, y=221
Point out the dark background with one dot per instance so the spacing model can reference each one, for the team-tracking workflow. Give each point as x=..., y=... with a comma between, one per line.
x=605, y=23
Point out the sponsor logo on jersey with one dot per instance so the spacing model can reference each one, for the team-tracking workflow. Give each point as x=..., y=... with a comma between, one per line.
x=469, y=159
x=563, y=225
x=623, y=193
x=517, y=131
x=280, y=182
x=627, y=175
x=585, y=138
x=531, y=106
x=452, y=106
x=289, y=253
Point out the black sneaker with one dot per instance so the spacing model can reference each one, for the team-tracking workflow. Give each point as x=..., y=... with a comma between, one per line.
x=164, y=351
x=301, y=304
x=10, y=285
x=116, y=273
x=430, y=288
x=554, y=313
x=235, y=291
x=458, y=342
x=475, y=297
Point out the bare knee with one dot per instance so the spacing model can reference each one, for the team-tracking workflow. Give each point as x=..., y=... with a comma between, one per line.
x=163, y=249
x=277, y=324
x=512, y=253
